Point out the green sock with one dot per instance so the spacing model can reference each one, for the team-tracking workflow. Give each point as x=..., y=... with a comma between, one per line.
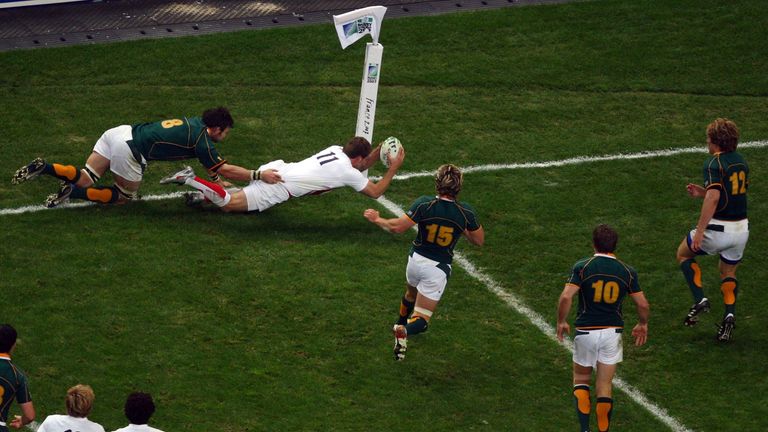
x=406, y=308
x=100, y=194
x=604, y=409
x=583, y=404
x=692, y=273
x=416, y=325
x=730, y=288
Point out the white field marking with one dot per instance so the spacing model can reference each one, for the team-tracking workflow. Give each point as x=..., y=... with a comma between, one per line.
x=577, y=160
x=37, y=208
x=470, y=169
x=544, y=326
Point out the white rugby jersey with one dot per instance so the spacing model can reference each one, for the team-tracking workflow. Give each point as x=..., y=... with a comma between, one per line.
x=325, y=170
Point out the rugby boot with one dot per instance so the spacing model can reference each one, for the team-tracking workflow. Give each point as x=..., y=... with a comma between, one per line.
x=693, y=314
x=60, y=197
x=725, y=331
x=29, y=171
x=401, y=341
x=179, y=177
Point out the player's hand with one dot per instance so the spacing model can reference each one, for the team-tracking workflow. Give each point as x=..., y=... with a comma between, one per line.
x=695, y=190
x=271, y=176
x=562, y=329
x=397, y=162
x=16, y=422
x=640, y=333
x=696, y=240
x=371, y=214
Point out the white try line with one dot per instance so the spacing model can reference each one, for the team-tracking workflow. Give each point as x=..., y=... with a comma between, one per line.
x=544, y=326
x=469, y=169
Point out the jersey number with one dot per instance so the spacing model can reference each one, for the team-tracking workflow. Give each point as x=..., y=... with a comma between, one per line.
x=442, y=235
x=738, y=183
x=606, y=292
x=167, y=124
x=325, y=158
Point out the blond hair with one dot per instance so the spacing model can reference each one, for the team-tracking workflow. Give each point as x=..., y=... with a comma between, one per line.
x=724, y=134
x=448, y=180
x=80, y=400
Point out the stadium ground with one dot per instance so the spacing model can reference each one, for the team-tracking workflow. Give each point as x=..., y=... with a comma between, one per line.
x=275, y=320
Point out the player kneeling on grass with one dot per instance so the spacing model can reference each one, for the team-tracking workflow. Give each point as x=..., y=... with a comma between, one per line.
x=329, y=169
x=602, y=282
x=125, y=150
x=442, y=220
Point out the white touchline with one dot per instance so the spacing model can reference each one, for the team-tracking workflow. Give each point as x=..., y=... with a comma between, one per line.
x=542, y=324
x=469, y=169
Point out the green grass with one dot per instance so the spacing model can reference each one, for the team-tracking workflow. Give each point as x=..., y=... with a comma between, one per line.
x=279, y=320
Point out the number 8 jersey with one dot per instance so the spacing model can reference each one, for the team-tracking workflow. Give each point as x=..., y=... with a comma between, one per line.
x=603, y=282
x=441, y=222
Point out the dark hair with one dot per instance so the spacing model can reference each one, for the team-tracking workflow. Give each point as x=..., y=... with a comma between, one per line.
x=604, y=238
x=139, y=407
x=448, y=180
x=218, y=117
x=724, y=134
x=357, y=146
x=7, y=337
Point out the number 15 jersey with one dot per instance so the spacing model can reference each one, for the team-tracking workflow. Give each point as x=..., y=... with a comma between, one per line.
x=441, y=223
x=603, y=282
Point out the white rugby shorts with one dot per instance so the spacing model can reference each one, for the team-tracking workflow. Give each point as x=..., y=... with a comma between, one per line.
x=729, y=243
x=113, y=145
x=260, y=195
x=424, y=274
x=593, y=346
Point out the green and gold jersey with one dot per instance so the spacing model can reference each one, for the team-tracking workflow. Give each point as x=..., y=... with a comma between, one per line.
x=441, y=223
x=603, y=282
x=13, y=385
x=175, y=139
x=729, y=173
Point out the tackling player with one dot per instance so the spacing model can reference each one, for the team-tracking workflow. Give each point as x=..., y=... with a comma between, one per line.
x=602, y=282
x=329, y=169
x=442, y=220
x=722, y=227
x=125, y=150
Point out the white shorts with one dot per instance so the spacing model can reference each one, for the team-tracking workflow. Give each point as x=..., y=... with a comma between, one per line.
x=261, y=196
x=593, y=346
x=113, y=145
x=424, y=274
x=728, y=238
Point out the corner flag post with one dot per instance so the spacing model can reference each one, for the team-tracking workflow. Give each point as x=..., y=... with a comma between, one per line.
x=351, y=27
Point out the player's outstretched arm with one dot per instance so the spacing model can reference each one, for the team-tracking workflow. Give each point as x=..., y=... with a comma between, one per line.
x=396, y=225
x=238, y=173
x=640, y=331
x=375, y=190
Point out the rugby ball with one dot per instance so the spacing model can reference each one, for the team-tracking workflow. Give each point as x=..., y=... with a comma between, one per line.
x=391, y=146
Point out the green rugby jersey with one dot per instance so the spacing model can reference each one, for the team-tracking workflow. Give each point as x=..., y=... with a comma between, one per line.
x=729, y=173
x=603, y=282
x=13, y=385
x=441, y=223
x=175, y=139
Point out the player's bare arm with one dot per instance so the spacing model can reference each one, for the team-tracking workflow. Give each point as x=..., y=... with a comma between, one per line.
x=394, y=225
x=375, y=190
x=26, y=417
x=476, y=237
x=563, y=308
x=708, y=208
x=640, y=331
x=238, y=173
